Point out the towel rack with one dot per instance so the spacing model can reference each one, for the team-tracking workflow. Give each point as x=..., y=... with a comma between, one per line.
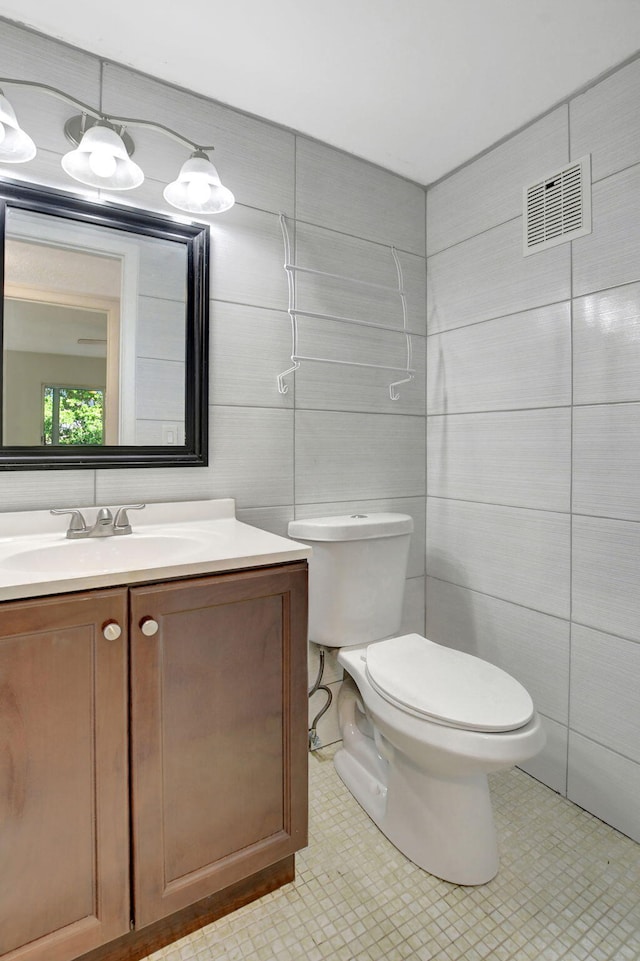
x=295, y=312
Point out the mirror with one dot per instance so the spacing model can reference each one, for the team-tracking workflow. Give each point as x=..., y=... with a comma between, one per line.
x=104, y=327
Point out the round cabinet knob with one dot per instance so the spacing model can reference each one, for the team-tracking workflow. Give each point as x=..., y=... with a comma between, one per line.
x=148, y=626
x=112, y=631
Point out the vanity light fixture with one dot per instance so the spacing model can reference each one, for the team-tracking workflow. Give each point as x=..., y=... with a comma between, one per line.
x=16, y=146
x=101, y=155
x=103, y=150
x=198, y=187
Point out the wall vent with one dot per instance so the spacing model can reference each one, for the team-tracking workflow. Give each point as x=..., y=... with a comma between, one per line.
x=558, y=207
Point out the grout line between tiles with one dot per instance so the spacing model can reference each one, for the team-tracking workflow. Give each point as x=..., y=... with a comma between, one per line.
x=514, y=507
x=496, y=597
x=571, y=361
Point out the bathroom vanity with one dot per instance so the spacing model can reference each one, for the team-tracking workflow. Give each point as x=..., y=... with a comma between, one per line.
x=153, y=732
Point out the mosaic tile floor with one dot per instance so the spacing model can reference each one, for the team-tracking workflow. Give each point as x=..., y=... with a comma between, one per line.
x=568, y=888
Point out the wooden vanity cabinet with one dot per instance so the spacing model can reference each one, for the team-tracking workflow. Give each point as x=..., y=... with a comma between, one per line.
x=212, y=726
x=64, y=824
x=219, y=746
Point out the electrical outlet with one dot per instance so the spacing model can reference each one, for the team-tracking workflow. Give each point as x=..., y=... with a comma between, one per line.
x=170, y=435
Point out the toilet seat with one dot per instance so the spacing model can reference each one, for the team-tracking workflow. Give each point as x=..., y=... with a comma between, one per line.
x=447, y=686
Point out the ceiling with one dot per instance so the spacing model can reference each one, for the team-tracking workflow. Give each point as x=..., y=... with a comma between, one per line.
x=417, y=86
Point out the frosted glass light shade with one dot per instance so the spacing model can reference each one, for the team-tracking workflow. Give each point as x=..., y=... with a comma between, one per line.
x=101, y=160
x=16, y=146
x=198, y=189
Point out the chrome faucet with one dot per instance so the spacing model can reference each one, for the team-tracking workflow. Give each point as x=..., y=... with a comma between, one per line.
x=105, y=524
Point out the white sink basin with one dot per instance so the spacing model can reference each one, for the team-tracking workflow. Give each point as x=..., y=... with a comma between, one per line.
x=177, y=539
x=97, y=554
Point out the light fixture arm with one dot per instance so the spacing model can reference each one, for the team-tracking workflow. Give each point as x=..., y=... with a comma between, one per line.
x=54, y=92
x=108, y=118
x=133, y=122
x=103, y=150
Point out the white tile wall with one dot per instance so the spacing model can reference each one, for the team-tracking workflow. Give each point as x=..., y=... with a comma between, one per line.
x=498, y=280
x=515, y=554
x=606, y=561
x=38, y=490
x=249, y=347
x=523, y=360
x=246, y=259
x=605, y=122
x=251, y=455
x=134, y=485
x=335, y=190
x=501, y=378
x=162, y=269
x=160, y=386
x=341, y=456
x=359, y=260
x=160, y=329
x=605, y=783
x=605, y=689
x=606, y=346
x=610, y=255
x=518, y=458
x=606, y=460
x=489, y=191
x=339, y=387
x=274, y=519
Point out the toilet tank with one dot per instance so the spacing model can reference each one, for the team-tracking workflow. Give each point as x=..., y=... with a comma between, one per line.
x=356, y=575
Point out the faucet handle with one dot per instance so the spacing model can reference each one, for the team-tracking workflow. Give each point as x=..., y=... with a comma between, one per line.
x=77, y=522
x=122, y=521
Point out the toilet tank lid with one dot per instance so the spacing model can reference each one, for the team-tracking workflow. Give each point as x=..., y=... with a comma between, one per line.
x=351, y=527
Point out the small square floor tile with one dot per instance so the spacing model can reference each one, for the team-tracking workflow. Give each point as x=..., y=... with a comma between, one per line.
x=568, y=889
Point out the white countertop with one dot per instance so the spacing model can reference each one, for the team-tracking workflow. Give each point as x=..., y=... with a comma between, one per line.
x=168, y=540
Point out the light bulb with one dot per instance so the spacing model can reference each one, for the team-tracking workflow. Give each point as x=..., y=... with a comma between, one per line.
x=102, y=162
x=197, y=188
x=198, y=191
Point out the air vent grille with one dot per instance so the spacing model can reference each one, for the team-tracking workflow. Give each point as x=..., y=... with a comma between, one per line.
x=558, y=207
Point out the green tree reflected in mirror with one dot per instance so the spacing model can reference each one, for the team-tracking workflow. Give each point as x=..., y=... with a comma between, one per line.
x=73, y=415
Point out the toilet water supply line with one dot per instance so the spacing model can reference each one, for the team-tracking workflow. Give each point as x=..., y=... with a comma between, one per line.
x=314, y=740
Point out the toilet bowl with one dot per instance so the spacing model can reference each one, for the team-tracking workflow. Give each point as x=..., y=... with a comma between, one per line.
x=422, y=725
x=423, y=778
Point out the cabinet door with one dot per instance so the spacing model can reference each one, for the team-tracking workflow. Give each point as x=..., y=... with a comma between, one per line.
x=64, y=859
x=219, y=733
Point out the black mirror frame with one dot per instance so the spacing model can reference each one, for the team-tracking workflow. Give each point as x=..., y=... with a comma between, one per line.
x=195, y=236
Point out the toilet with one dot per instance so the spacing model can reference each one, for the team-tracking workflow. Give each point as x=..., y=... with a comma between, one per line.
x=422, y=725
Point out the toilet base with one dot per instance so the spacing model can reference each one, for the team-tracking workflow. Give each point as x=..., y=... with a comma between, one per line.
x=445, y=826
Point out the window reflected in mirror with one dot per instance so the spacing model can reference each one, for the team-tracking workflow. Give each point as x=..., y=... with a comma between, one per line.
x=73, y=415
x=49, y=345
